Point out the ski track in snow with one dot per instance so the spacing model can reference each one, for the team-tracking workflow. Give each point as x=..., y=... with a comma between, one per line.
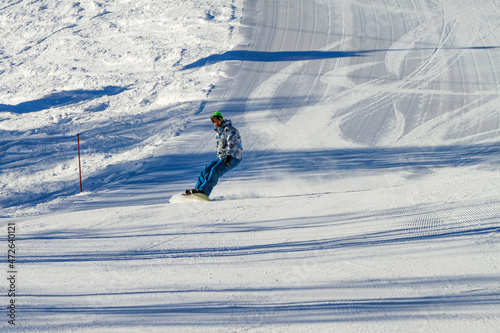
x=367, y=199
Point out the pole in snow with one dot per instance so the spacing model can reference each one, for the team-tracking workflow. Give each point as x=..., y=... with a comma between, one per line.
x=79, y=162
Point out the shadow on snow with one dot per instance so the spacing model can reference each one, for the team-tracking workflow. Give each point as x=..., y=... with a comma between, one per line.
x=261, y=313
x=393, y=237
x=61, y=99
x=244, y=55
x=261, y=56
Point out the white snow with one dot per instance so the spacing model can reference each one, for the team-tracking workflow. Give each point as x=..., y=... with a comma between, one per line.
x=367, y=201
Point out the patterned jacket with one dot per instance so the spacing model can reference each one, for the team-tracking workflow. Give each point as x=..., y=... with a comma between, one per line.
x=228, y=141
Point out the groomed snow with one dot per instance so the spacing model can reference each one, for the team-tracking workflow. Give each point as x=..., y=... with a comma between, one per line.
x=367, y=199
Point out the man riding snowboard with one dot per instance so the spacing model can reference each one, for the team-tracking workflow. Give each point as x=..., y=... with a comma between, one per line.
x=229, y=155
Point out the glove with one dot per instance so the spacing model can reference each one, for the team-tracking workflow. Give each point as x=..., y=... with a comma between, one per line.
x=227, y=161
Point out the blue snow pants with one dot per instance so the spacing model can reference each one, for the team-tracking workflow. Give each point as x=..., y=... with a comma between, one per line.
x=211, y=174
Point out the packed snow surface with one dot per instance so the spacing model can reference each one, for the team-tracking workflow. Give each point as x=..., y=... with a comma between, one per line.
x=368, y=196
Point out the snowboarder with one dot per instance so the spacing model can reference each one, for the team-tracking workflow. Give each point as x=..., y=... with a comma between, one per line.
x=229, y=155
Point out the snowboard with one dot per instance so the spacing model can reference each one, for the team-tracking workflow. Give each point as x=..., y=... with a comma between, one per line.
x=196, y=197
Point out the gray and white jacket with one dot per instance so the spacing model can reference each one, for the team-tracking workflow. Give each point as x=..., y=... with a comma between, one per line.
x=228, y=141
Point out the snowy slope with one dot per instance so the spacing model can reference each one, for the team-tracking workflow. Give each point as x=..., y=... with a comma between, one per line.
x=109, y=71
x=367, y=200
